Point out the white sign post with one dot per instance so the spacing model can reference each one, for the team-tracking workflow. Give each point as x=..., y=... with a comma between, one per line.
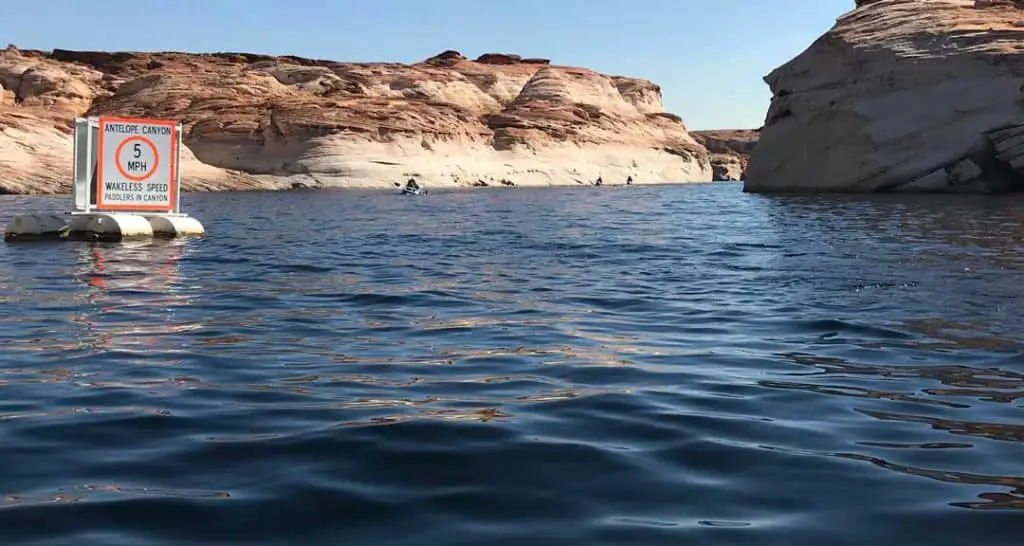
x=138, y=165
x=126, y=171
x=125, y=184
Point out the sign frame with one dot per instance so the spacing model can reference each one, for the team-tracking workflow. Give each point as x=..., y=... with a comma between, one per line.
x=88, y=167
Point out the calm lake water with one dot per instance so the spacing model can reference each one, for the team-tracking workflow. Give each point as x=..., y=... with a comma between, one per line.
x=631, y=365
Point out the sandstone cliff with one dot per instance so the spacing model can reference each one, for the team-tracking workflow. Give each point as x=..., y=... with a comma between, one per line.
x=730, y=151
x=254, y=121
x=900, y=95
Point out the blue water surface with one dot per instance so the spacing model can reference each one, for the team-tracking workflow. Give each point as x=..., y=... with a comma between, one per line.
x=615, y=365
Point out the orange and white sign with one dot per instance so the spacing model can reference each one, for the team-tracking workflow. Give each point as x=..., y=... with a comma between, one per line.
x=137, y=163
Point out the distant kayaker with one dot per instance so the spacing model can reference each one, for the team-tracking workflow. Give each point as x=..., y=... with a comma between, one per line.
x=411, y=184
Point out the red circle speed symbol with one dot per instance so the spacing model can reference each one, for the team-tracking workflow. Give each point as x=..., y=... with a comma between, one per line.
x=148, y=173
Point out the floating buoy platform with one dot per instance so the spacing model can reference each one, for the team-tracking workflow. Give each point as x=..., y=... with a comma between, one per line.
x=125, y=186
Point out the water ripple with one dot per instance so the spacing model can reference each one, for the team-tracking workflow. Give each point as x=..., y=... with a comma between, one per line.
x=631, y=366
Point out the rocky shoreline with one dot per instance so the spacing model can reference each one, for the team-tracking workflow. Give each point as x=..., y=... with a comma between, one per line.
x=898, y=96
x=265, y=122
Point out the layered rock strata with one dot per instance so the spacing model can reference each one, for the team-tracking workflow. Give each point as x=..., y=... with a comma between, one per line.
x=259, y=122
x=730, y=151
x=900, y=95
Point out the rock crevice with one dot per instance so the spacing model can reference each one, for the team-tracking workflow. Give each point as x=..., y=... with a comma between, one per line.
x=730, y=151
x=995, y=164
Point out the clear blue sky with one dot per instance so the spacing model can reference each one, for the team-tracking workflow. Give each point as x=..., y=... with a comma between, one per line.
x=708, y=55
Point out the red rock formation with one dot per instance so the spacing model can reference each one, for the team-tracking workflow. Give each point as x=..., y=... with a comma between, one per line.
x=730, y=150
x=268, y=121
x=900, y=95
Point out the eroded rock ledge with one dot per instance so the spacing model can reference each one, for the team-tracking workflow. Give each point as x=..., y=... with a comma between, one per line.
x=900, y=95
x=258, y=121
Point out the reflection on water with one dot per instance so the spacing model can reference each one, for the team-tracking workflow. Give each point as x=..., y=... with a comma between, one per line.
x=984, y=385
x=131, y=294
x=630, y=366
x=1014, y=499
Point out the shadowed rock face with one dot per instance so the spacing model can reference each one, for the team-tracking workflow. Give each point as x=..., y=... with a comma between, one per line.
x=900, y=95
x=730, y=151
x=258, y=121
